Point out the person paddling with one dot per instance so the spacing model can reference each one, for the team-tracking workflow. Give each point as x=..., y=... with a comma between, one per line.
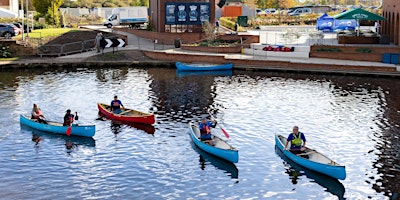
x=37, y=114
x=205, y=131
x=116, y=105
x=69, y=118
x=297, y=140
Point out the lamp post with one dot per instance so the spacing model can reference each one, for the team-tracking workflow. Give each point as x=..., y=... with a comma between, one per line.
x=22, y=19
x=27, y=23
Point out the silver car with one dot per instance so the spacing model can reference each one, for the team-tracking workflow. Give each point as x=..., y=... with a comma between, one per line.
x=8, y=31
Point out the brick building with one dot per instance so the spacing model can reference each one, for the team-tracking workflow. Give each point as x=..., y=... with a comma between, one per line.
x=11, y=5
x=391, y=26
x=177, y=16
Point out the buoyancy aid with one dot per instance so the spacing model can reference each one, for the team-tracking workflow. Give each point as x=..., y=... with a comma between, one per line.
x=69, y=120
x=297, y=140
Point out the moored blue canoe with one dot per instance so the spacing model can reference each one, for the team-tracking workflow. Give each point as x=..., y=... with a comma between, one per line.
x=56, y=127
x=220, y=149
x=316, y=161
x=202, y=67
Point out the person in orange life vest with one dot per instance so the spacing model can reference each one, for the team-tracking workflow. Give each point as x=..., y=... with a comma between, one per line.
x=297, y=140
x=69, y=118
x=116, y=105
x=205, y=130
x=37, y=114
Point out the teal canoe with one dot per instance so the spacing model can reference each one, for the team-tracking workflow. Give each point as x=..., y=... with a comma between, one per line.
x=202, y=67
x=220, y=149
x=56, y=127
x=316, y=161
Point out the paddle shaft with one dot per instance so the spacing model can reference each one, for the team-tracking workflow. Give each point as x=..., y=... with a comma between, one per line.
x=222, y=129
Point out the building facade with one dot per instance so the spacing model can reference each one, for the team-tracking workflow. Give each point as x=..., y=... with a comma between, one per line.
x=177, y=16
x=391, y=27
x=11, y=5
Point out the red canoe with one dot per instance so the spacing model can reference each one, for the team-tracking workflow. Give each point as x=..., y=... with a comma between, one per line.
x=127, y=115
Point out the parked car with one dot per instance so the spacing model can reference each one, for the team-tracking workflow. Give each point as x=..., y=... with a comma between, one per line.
x=19, y=26
x=300, y=11
x=8, y=31
x=270, y=11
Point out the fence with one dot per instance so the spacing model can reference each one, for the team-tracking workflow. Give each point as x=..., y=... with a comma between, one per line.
x=65, y=49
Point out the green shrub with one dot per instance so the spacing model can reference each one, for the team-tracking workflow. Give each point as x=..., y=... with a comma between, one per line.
x=328, y=50
x=5, y=51
x=364, y=50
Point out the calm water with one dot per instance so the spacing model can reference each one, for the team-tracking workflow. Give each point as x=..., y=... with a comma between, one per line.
x=353, y=120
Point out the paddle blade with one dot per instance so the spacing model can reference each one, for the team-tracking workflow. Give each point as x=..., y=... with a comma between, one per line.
x=68, y=132
x=225, y=133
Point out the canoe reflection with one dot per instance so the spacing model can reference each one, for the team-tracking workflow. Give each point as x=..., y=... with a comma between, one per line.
x=116, y=127
x=204, y=73
x=295, y=170
x=70, y=141
x=219, y=163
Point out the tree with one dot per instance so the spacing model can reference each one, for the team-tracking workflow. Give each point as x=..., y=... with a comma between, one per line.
x=286, y=3
x=209, y=31
x=49, y=10
x=41, y=6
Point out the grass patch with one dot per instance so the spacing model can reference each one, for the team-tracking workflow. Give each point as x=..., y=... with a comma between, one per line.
x=9, y=59
x=49, y=32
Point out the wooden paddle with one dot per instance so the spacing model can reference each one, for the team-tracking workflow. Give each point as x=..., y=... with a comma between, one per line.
x=222, y=129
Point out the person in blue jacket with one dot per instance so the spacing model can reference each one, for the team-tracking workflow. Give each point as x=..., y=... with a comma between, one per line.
x=116, y=105
x=205, y=131
x=297, y=140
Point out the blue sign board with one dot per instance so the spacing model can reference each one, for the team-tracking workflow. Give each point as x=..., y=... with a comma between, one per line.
x=186, y=13
x=345, y=24
x=329, y=24
x=325, y=23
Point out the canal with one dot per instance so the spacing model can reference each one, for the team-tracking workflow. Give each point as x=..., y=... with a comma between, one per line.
x=353, y=120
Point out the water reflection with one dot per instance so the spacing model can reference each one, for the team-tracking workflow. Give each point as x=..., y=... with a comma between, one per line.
x=117, y=126
x=204, y=73
x=295, y=171
x=205, y=158
x=69, y=141
x=341, y=107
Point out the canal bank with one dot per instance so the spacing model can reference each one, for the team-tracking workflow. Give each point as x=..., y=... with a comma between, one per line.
x=141, y=52
x=167, y=58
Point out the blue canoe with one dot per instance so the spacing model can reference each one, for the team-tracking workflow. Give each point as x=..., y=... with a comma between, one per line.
x=56, y=127
x=220, y=149
x=316, y=161
x=202, y=67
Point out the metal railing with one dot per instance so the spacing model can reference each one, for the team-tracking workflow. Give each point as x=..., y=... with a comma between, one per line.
x=65, y=49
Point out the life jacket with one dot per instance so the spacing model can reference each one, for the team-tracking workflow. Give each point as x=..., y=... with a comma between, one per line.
x=297, y=140
x=70, y=119
x=205, y=130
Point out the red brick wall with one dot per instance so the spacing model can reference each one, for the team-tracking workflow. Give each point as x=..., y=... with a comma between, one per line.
x=350, y=52
x=391, y=26
x=4, y=2
x=166, y=38
x=236, y=49
x=256, y=63
x=184, y=57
